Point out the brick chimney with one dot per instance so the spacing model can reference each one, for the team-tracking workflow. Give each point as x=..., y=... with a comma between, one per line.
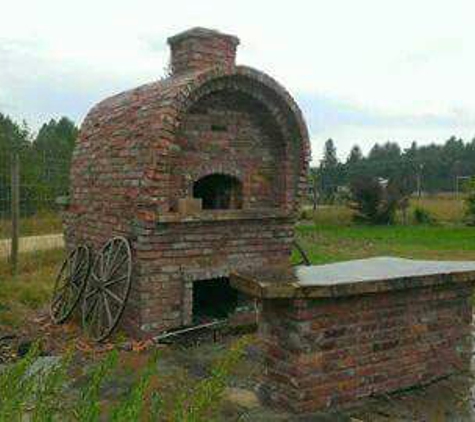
x=200, y=48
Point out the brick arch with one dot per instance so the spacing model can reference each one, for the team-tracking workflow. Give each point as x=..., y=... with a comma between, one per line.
x=223, y=167
x=137, y=128
x=276, y=100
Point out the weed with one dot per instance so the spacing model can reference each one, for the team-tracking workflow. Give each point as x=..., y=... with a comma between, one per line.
x=45, y=394
x=422, y=216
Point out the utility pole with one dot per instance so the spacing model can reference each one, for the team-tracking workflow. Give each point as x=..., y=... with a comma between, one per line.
x=315, y=189
x=15, y=210
x=419, y=180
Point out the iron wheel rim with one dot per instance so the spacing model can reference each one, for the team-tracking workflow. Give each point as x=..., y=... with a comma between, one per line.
x=70, y=283
x=108, y=289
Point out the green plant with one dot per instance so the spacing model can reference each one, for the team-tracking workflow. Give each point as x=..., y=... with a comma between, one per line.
x=133, y=406
x=47, y=393
x=376, y=201
x=199, y=404
x=305, y=214
x=87, y=408
x=34, y=390
x=422, y=216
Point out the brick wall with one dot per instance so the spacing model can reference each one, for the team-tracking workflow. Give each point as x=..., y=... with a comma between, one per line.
x=140, y=151
x=171, y=257
x=201, y=48
x=231, y=133
x=335, y=352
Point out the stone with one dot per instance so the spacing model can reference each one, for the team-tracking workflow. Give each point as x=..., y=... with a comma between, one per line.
x=242, y=397
x=187, y=206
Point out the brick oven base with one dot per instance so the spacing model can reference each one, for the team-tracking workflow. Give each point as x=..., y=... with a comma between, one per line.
x=328, y=352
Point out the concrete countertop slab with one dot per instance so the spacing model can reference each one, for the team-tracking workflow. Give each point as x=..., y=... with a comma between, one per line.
x=351, y=277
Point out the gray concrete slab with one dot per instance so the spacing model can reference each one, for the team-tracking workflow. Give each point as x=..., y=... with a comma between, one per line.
x=377, y=269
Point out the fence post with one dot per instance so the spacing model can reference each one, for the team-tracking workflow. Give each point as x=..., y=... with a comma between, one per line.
x=15, y=198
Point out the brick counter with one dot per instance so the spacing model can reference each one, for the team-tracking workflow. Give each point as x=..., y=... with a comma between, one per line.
x=329, y=341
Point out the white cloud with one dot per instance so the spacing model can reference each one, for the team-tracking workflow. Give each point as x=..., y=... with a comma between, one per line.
x=401, y=67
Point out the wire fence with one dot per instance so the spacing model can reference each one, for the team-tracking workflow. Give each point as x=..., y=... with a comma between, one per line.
x=30, y=220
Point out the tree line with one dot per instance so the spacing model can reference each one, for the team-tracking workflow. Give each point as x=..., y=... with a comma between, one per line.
x=44, y=157
x=428, y=168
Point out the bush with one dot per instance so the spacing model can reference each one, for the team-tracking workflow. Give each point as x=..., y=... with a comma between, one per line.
x=376, y=203
x=306, y=214
x=422, y=216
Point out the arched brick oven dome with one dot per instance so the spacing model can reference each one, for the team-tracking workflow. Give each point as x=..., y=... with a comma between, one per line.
x=226, y=137
x=130, y=143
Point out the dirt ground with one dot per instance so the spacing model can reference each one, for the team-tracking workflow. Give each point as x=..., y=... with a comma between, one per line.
x=447, y=400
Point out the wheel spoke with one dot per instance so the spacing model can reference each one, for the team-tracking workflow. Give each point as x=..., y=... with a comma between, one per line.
x=116, y=280
x=110, y=259
x=116, y=267
x=114, y=296
x=98, y=318
x=90, y=308
x=91, y=293
x=79, y=268
x=108, y=310
x=95, y=277
x=103, y=261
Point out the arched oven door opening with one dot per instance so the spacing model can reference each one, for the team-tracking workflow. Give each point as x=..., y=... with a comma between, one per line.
x=219, y=192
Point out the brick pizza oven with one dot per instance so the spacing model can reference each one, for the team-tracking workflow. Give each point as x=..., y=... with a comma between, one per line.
x=202, y=171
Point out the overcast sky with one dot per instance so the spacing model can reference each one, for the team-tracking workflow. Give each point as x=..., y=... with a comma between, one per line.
x=362, y=70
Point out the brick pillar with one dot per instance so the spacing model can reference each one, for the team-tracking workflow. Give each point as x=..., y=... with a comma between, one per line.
x=200, y=48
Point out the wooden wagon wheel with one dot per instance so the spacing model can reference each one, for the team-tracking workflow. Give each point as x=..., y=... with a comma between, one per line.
x=70, y=284
x=304, y=260
x=108, y=289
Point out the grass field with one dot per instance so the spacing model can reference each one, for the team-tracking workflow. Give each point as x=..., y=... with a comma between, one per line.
x=30, y=290
x=331, y=243
x=43, y=223
x=444, y=208
x=328, y=236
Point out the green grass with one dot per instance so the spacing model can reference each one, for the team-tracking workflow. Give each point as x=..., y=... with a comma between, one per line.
x=30, y=289
x=331, y=243
x=44, y=394
x=42, y=223
x=445, y=208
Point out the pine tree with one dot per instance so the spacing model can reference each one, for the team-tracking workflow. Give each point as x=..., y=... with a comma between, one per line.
x=330, y=171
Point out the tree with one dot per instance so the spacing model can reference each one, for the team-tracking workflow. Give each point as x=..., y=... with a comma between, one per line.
x=313, y=182
x=44, y=161
x=53, y=147
x=330, y=171
x=14, y=139
x=355, y=157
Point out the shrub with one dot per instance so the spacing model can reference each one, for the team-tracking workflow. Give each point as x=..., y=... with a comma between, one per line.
x=422, y=216
x=376, y=203
x=305, y=214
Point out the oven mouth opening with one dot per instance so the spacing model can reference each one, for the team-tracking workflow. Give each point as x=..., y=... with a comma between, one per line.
x=213, y=299
x=219, y=192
